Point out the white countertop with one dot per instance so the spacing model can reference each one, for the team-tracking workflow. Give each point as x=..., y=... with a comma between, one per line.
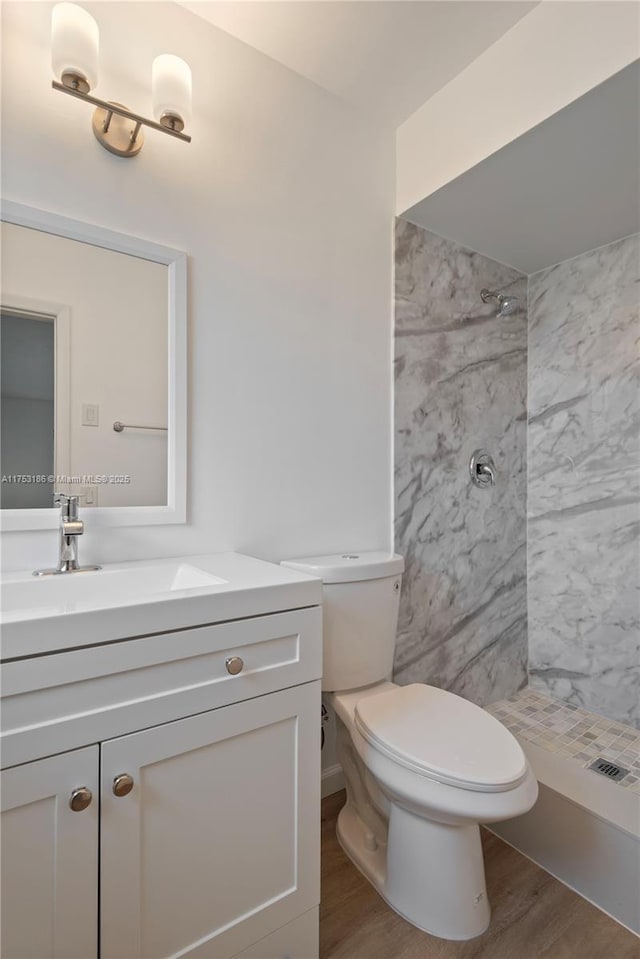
x=40, y=615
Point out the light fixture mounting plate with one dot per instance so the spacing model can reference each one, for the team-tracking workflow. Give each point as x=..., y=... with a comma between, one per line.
x=117, y=134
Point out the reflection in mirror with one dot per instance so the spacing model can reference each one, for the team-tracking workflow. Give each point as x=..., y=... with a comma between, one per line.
x=84, y=345
x=27, y=438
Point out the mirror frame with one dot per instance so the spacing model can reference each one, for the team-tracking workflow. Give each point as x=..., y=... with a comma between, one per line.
x=175, y=510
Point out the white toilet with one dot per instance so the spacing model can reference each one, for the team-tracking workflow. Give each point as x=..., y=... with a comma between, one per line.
x=423, y=767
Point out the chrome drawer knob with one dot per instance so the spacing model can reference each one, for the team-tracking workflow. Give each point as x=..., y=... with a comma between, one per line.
x=122, y=785
x=234, y=665
x=80, y=799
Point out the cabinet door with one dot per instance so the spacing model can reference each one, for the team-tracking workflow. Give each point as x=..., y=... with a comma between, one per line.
x=217, y=844
x=50, y=858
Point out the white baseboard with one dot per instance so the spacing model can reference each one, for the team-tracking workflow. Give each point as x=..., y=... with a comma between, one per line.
x=332, y=780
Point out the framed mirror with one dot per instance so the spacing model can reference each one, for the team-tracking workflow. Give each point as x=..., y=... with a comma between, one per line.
x=93, y=373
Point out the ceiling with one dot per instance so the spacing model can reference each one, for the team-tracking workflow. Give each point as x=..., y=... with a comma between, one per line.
x=385, y=57
x=569, y=185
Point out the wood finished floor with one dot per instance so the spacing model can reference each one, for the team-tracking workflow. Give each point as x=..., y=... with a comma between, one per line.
x=533, y=915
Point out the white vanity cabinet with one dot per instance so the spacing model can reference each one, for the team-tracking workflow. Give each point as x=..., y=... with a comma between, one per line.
x=201, y=838
x=216, y=844
x=50, y=858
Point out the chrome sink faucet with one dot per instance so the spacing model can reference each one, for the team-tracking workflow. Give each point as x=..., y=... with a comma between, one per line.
x=70, y=529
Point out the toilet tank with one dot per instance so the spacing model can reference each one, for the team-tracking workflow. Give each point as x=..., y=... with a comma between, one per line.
x=360, y=600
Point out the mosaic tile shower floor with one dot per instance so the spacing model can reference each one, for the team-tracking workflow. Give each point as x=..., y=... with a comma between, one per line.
x=571, y=732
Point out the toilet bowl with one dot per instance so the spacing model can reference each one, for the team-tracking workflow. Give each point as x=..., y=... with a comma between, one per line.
x=441, y=766
x=423, y=767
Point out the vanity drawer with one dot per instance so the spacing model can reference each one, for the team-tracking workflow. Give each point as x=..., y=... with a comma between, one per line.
x=65, y=700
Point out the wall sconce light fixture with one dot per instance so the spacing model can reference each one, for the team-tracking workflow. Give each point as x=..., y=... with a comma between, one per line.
x=74, y=54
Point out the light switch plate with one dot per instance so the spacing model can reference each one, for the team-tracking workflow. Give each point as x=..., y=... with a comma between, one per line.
x=89, y=495
x=90, y=414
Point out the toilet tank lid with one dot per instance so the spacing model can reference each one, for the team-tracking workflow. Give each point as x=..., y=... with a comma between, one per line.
x=349, y=567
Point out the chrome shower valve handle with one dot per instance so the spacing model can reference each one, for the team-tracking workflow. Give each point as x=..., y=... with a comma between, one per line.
x=482, y=469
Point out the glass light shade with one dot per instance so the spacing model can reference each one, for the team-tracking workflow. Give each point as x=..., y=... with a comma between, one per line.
x=171, y=88
x=74, y=42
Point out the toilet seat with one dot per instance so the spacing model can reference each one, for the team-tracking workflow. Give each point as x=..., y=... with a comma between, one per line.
x=441, y=736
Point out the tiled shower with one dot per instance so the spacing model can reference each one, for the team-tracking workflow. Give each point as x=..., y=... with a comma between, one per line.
x=583, y=481
x=573, y=733
x=530, y=588
x=461, y=384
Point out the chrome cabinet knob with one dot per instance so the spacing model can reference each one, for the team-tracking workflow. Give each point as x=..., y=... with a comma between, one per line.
x=234, y=665
x=80, y=799
x=122, y=785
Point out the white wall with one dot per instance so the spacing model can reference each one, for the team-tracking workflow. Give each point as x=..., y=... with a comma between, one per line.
x=284, y=203
x=553, y=55
x=118, y=307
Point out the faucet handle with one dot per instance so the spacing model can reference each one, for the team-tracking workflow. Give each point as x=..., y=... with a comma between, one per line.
x=68, y=503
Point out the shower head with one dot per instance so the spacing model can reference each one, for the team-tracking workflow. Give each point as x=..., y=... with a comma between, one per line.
x=507, y=304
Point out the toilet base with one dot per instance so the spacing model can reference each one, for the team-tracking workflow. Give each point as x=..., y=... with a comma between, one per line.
x=355, y=839
x=435, y=875
x=429, y=873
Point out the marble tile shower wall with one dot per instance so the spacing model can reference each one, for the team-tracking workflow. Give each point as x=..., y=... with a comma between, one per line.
x=461, y=380
x=584, y=481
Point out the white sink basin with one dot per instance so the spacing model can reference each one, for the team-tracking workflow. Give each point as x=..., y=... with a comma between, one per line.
x=41, y=615
x=111, y=586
